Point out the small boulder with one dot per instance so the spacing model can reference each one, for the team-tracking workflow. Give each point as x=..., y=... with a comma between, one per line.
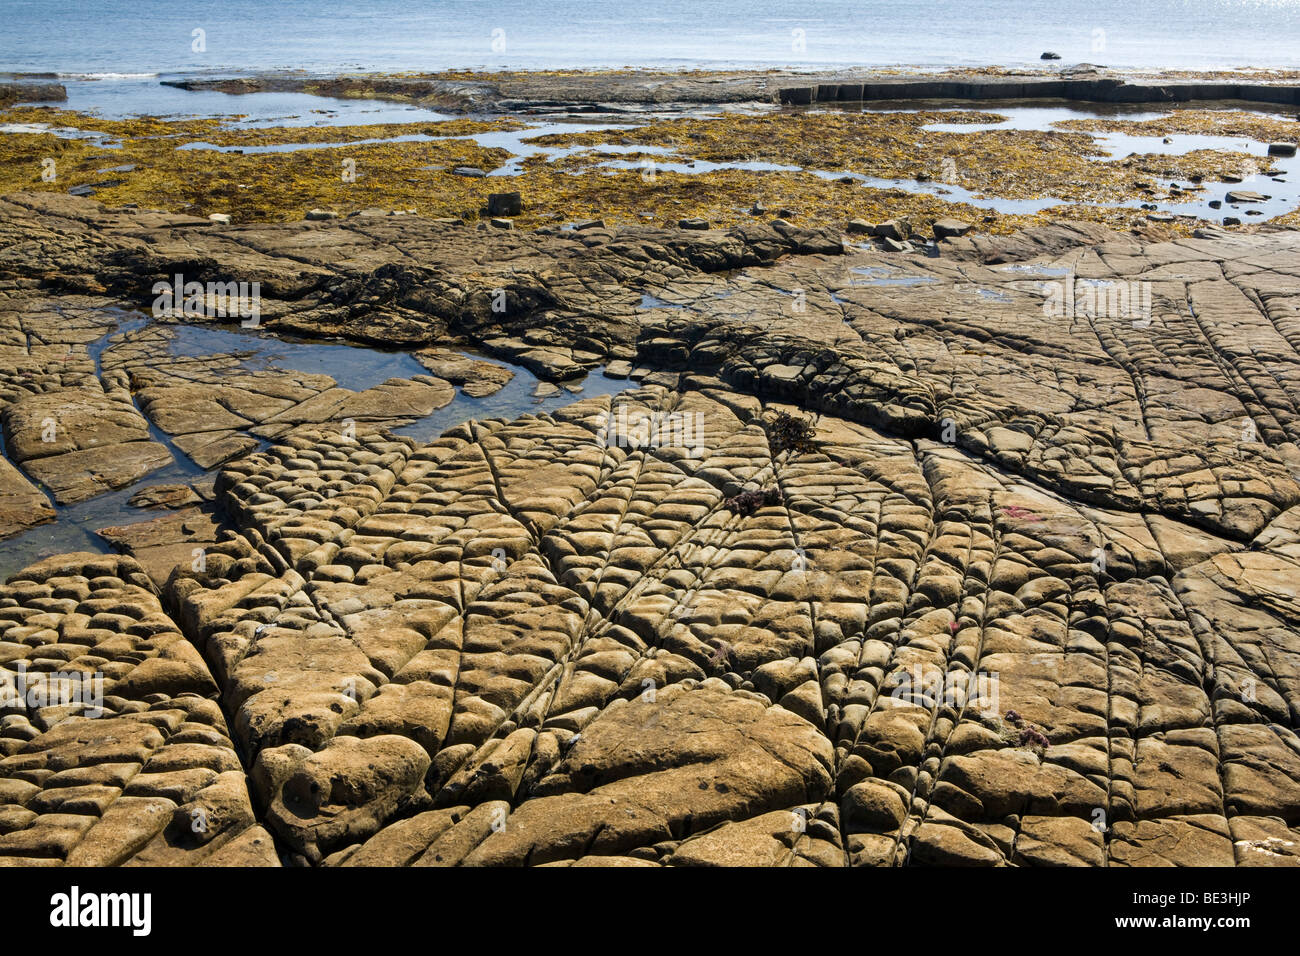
x=220, y=218
x=471, y=171
x=504, y=204
x=896, y=229
x=1049, y=55
x=859, y=227
x=949, y=228
x=501, y=224
x=692, y=223
x=1281, y=149
x=1244, y=195
x=318, y=215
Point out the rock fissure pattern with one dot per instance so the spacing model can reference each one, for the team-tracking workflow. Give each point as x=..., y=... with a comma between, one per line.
x=1028, y=598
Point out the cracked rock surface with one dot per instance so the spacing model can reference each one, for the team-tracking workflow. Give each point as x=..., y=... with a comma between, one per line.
x=1023, y=594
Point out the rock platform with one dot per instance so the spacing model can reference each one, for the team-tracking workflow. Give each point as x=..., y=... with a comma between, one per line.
x=1022, y=592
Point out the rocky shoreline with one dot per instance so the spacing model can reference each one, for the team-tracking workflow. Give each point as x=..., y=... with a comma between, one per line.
x=903, y=559
x=614, y=91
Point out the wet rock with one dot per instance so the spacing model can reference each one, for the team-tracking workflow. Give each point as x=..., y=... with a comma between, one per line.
x=164, y=496
x=22, y=505
x=164, y=544
x=80, y=442
x=477, y=378
x=29, y=91
x=1281, y=149
x=504, y=204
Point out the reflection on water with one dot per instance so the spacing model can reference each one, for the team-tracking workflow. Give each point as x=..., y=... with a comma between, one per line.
x=353, y=367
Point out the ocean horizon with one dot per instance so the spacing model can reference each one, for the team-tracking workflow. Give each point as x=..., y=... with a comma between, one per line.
x=148, y=38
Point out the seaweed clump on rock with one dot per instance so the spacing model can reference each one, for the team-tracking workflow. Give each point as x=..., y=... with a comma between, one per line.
x=786, y=432
x=747, y=502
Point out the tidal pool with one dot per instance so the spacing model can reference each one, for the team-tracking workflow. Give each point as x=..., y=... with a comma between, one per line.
x=351, y=366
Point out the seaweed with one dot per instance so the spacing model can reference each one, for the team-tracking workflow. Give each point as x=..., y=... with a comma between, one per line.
x=418, y=175
x=748, y=502
x=792, y=433
x=1028, y=736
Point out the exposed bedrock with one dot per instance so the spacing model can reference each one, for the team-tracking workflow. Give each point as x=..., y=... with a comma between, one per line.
x=624, y=92
x=1021, y=590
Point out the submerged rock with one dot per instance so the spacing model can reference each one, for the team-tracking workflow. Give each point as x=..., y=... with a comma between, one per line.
x=476, y=377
